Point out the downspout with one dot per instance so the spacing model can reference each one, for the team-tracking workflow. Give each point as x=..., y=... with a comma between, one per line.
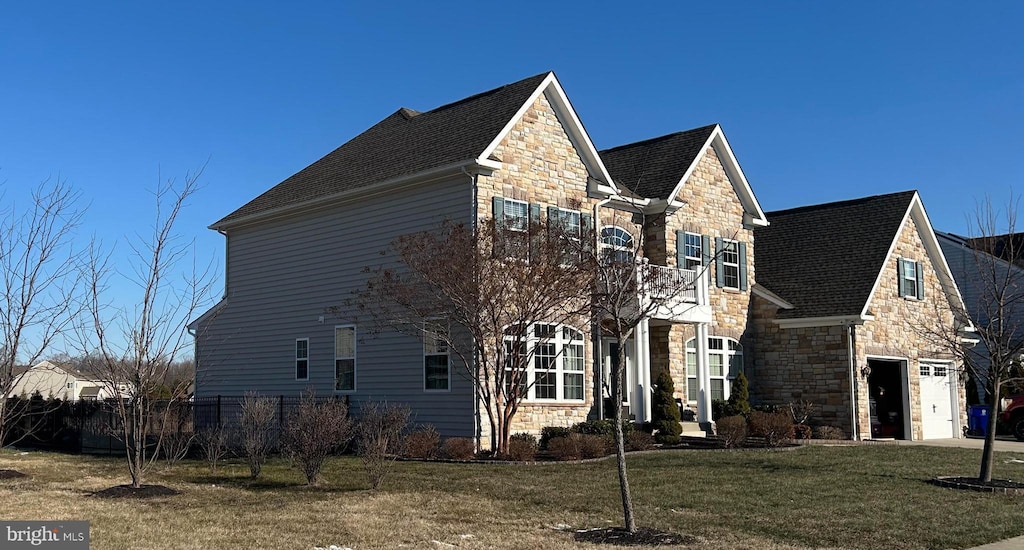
x=595, y=329
x=473, y=216
x=851, y=334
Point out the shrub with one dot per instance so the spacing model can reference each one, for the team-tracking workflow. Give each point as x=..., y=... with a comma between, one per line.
x=550, y=432
x=380, y=438
x=665, y=411
x=604, y=427
x=829, y=432
x=775, y=428
x=732, y=430
x=313, y=431
x=257, y=423
x=722, y=409
x=739, y=395
x=801, y=411
x=801, y=431
x=458, y=448
x=767, y=407
x=522, y=447
x=423, y=443
x=639, y=441
x=578, y=446
x=213, y=443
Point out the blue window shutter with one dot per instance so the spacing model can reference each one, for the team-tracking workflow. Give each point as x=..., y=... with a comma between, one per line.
x=552, y=215
x=534, y=213
x=705, y=250
x=680, y=249
x=719, y=272
x=587, y=234
x=920, y=281
x=743, y=266
x=535, y=229
x=899, y=276
x=497, y=246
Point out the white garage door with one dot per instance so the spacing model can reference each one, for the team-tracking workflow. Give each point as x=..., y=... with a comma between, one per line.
x=936, y=401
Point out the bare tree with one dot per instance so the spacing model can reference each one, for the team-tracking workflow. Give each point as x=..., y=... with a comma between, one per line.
x=994, y=297
x=480, y=294
x=313, y=431
x=380, y=431
x=37, y=268
x=627, y=291
x=257, y=425
x=138, y=344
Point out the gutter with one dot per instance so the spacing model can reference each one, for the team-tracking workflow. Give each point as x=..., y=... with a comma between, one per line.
x=851, y=335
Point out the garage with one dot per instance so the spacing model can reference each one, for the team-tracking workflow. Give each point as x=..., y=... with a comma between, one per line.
x=937, y=398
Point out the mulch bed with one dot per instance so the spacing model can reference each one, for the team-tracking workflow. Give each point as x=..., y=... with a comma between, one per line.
x=11, y=474
x=127, y=491
x=642, y=537
x=1005, y=486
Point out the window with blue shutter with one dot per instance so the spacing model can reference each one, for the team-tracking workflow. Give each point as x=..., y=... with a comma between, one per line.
x=911, y=278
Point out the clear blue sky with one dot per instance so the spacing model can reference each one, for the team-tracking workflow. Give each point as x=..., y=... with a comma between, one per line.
x=821, y=101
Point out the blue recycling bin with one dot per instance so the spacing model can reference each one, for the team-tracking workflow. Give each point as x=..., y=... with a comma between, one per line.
x=977, y=419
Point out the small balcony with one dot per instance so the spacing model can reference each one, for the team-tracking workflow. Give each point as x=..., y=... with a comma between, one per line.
x=680, y=295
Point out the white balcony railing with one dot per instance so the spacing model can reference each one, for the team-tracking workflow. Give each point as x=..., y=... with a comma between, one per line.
x=670, y=283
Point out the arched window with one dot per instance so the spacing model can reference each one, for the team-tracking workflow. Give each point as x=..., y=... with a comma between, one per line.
x=555, y=371
x=616, y=244
x=725, y=361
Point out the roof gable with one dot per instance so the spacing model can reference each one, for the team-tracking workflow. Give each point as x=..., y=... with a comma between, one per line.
x=659, y=167
x=409, y=143
x=825, y=259
x=828, y=259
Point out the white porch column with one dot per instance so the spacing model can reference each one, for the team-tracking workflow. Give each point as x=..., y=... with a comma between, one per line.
x=643, y=379
x=703, y=377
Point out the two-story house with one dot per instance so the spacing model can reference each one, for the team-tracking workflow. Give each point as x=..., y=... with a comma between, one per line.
x=303, y=246
x=517, y=153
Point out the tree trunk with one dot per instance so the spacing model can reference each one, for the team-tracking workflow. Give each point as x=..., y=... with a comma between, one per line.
x=988, y=452
x=620, y=442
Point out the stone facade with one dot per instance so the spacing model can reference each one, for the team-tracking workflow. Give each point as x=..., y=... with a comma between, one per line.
x=813, y=364
x=712, y=209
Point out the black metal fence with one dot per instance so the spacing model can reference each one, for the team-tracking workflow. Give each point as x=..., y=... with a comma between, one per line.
x=94, y=427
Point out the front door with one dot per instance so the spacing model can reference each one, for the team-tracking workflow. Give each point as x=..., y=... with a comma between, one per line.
x=610, y=352
x=885, y=399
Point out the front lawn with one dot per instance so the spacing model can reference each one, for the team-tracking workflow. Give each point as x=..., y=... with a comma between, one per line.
x=812, y=497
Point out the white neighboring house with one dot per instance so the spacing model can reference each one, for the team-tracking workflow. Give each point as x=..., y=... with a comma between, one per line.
x=51, y=380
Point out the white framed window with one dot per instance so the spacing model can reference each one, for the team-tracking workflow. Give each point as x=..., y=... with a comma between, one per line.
x=555, y=371
x=911, y=279
x=730, y=264
x=567, y=226
x=345, y=358
x=693, y=251
x=725, y=362
x=616, y=244
x=436, y=366
x=516, y=215
x=302, y=358
x=926, y=369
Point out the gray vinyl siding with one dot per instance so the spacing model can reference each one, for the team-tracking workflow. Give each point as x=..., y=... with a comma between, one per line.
x=286, y=273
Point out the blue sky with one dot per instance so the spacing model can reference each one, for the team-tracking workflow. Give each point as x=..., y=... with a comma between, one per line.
x=821, y=101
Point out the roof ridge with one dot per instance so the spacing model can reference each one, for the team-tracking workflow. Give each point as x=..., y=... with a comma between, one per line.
x=834, y=204
x=658, y=138
x=486, y=93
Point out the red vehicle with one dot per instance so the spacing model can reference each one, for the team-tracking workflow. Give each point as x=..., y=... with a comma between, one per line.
x=1013, y=415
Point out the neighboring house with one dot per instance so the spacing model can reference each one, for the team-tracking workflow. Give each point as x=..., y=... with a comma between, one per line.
x=980, y=277
x=516, y=153
x=50, y=380
x=854, y=290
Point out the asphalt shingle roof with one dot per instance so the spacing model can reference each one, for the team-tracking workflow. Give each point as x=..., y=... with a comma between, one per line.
x=652, y=168
x=825, y=258
x=404, y=143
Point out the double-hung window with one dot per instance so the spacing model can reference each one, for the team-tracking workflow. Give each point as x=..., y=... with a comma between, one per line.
x=693, y=251
x=548, y=364
x=345, y=358
x=911, y=279
x=514, y=226
x=725, y=361
x=302, y=359
x=567, y=226
x=436, y=369
x=730, y=264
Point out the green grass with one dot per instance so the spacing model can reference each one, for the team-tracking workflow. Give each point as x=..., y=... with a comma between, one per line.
x=812, y=497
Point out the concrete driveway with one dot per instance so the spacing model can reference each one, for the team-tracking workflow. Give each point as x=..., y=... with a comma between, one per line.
x=1004, y=443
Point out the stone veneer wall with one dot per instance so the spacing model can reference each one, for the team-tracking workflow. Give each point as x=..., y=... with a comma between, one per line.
x=812, y=363
x=541, y=165
x=713, y=209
